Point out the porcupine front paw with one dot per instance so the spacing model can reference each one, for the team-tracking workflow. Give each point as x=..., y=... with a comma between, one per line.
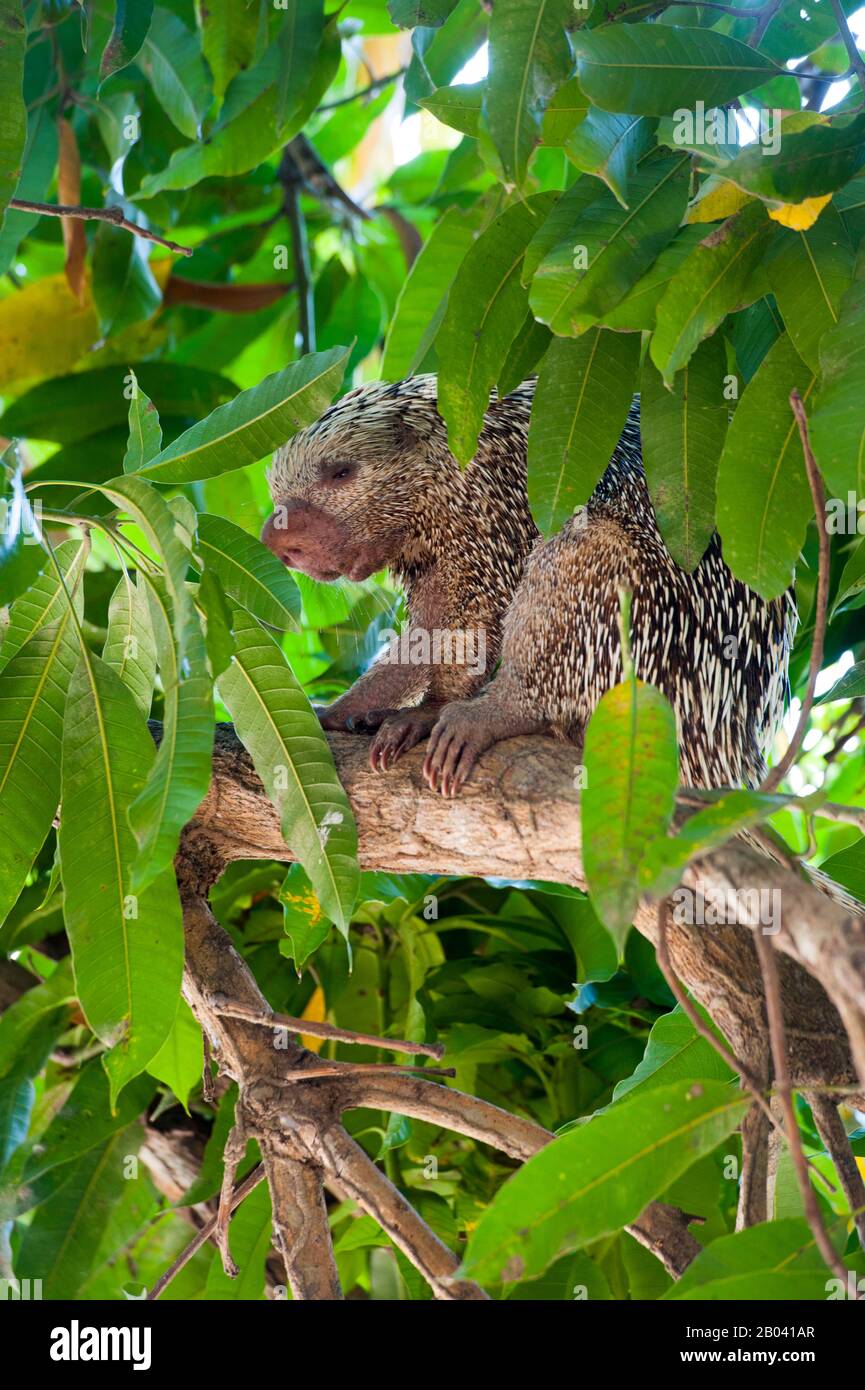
x=337, y=720
x=461, y=734
x=399, y=730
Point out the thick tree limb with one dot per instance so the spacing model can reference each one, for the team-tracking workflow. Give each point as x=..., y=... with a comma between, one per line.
x=517, y=819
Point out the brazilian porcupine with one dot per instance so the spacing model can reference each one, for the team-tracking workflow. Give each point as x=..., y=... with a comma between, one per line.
x=373, y=484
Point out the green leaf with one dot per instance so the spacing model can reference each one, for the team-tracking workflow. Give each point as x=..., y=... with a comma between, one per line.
x=809, y=273
x=458, y=107
x=440, y=54
x=850, y=686
x=764, y=501
x=275, y=723
x=598, y=1177
x=245, y=139
x=130, y=647
x=777, y=1259
x=86, y=1119
x=566, y=109
x=13, y=114
x=486, y=307
x=650, y=69
x=609, y=146
x=180, y=776
x=407, y=14
x=847, y=867
x=23, y=1023
x=249, y=572
x=255, y=422
x=131, y=23
x=559, y=223
x=33, y=688
x=124, y=289
x=127, y=948
x=44, y=602
x=667, y=857
x=60, y=1244
x=301, y=25
x=674, y=1052
x=529, y=57
x=217, y=616
x=683, y=434
x=610, y=248
x=712, y=282
x=157, y=520
x=524, y=354
x=228, y=39
x=178, y=1063
x=852, y=580
x=631, y=758
x=61, y=411
x=145, y=431
x=809, y=164
x=39, y=160
x=584, y=391
x=305, y=925
x=837, y=426
x=171, y=58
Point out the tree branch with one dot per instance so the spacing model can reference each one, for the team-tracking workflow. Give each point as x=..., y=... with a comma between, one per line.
x=113, y=215
x=292, y=182
x=370, y=91
x=857, y=63
x=774, y=777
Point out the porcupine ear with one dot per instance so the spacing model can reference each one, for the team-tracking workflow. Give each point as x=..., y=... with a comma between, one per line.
x=406, y=437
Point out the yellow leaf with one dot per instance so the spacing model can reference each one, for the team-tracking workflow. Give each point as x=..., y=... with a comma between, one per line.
x=800, y=216
x=45, y=331
x=315, y=1012
x=718, y=198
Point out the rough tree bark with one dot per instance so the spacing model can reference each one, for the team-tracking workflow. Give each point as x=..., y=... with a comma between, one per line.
x=517, y=818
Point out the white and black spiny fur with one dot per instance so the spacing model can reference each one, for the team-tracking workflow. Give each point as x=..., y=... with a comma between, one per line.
x=464, y=546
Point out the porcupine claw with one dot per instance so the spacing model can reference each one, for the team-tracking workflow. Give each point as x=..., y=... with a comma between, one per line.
x=455, y=745
x=399, y=731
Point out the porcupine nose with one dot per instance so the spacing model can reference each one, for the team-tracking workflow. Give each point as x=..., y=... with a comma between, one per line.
x=305, y=538
x=284, y=533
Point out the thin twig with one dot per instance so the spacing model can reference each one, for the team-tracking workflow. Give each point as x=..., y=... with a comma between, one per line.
x=774, y=777
x=778, y=1044
x=110, y=214
x=363, y=1068
x=290, y=178
x=857, y=63
x=370, y=91
x=242, y=1190
x=327, y=1030
x=767, y=14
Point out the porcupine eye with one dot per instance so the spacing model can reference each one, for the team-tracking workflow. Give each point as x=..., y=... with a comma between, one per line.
x=340, y=473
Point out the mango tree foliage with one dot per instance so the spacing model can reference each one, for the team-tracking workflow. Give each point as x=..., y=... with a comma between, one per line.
x=615, y=199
